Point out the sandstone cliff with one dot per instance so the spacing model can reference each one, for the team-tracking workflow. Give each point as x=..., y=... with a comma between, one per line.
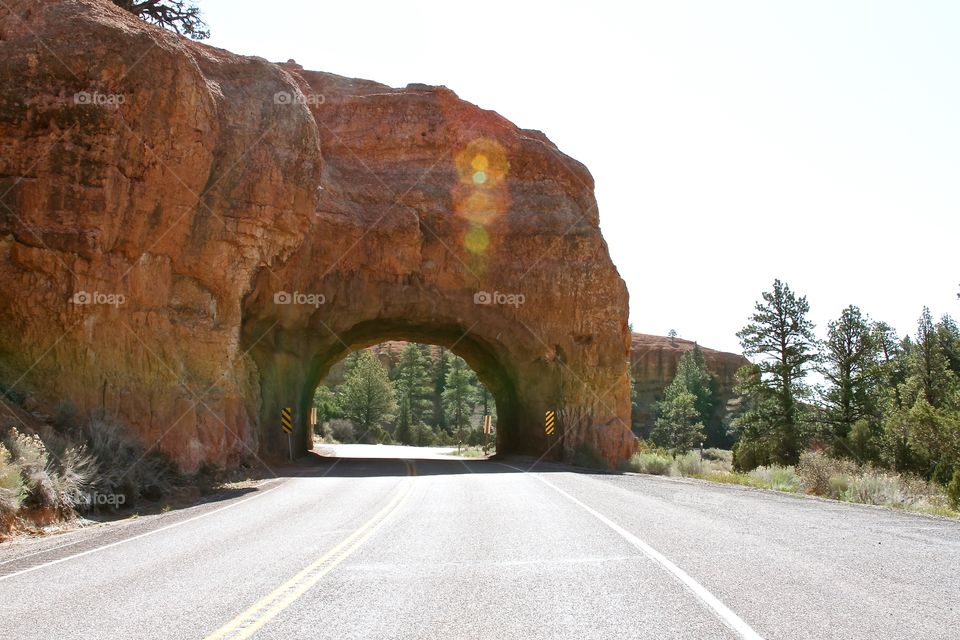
x=654, y=360
x=190, y=238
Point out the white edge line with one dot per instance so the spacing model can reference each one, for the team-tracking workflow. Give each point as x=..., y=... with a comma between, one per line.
x=734, y=621
x=138, y=536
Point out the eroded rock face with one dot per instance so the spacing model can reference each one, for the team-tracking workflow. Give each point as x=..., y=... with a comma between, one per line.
x=189, y=239
x=654, y=361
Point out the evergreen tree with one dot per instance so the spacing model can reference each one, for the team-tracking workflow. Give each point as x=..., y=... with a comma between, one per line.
x=413, y=388
x=782, y=336
x=484, y=400
x=366, y=396
x=757, y=407
x=925, y=432
x=949, y=336
x=928, y=365
x=679, y=425
x=687, y=406
x=458, y=396
x=325, y=402
x=441, y=367
x=890, y=365
x=850, y=368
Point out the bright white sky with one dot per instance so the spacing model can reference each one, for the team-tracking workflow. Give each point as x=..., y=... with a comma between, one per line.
x=731, y=142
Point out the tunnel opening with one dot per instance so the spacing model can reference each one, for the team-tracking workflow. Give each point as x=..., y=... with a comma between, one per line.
x=402, y=392
x=443, y=383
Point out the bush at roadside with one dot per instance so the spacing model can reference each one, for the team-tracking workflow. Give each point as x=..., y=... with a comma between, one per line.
x=657, y=464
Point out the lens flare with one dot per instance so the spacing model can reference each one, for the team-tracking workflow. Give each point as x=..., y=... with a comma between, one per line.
x=476, y=240
x=481, y=195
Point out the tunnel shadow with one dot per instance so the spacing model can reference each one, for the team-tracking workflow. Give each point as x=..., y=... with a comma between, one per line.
x=316, y=465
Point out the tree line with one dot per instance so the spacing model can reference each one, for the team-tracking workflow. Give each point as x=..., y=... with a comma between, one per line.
x=879, y=398
x=429, y=397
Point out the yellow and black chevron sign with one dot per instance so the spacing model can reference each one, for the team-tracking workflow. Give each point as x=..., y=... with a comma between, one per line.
x=549, y=422
x=286, y=419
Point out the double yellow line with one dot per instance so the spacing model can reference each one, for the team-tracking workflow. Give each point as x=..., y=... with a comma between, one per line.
x=268, y=607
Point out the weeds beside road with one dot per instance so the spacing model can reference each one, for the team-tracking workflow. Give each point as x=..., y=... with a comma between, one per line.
x=816, y=474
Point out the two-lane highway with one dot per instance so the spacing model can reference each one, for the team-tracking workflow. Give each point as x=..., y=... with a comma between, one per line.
x=449, y=548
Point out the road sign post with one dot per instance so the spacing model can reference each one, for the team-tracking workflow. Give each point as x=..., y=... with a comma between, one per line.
x=487, y=430
x=549, y=422
x=286, y=424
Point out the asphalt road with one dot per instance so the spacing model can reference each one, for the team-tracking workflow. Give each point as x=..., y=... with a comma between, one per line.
x=354, y=547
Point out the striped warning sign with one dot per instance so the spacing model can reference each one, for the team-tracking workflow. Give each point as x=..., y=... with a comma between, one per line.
x=488, y=424
x=549, y=422
x=286, y=419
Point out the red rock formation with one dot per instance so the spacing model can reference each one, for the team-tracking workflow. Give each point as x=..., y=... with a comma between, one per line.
x=654, y=360
x=158, y=197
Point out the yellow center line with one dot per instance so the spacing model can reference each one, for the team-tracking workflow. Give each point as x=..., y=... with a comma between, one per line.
x=268, y=607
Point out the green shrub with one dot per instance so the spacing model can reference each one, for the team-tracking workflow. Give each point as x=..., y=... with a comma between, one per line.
x=656, y=464
x=11, y=485
x=750, y=454
x=342, y=431
x=777, y=478
x=50, y=481
x=646, y=446
x=30, y=456
x=953, y=491
x=689, y=464
x=718, y=455
x=816, y=470
x=874, y=487
x=838, y=484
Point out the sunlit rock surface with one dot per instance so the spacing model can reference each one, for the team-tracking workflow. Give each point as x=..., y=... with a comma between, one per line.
x=189, y=239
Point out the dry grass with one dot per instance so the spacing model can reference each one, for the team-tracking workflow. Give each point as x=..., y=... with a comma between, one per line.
x=817, y=474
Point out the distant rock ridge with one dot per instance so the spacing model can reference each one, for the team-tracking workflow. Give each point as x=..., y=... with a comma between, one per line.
x=654, y=361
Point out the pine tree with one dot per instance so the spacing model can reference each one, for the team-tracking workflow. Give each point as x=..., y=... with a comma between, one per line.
x=458, y=396
x=850, y=368
x=687, y=406
x=928, y=365
x=780, y=334
x=484, y=400
x=441, y=367
x=413, y=388
x=929, y=423
x=325, y=402
x=949, y=336
x=679, y=426
x=366, y=396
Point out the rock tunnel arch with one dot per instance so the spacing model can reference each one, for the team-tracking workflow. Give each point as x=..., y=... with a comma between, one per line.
x=293, y=360
x=204, y=196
